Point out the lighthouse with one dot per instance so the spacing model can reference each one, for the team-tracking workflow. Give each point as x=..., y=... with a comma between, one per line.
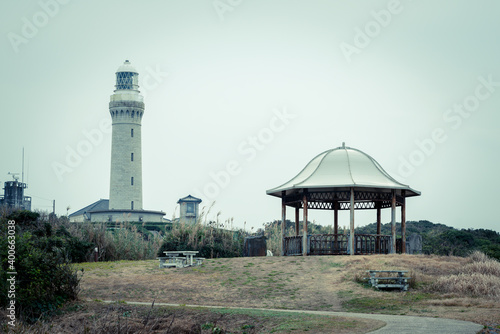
x=126, y=108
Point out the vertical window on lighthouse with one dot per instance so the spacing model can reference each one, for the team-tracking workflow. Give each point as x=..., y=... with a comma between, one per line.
x=131, y=132
x=132, y=205
x=131, y=156
x=132, y=181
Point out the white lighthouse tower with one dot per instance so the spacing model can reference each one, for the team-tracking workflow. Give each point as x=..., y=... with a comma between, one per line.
x=126, y=107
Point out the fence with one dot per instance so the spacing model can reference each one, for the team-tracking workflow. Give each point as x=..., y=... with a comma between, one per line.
x=338, y=244
x=293, y=246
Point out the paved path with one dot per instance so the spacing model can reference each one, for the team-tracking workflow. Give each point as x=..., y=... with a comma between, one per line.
x=411, y=324
x=400, y=324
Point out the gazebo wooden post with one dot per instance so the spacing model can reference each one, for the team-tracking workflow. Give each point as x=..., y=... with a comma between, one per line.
x=335, y=226
x=403, y=223
x=351, y=236
x=297, y=220
x=378, y=205
x=283, y=223
x=393, y=222
x=304, y=238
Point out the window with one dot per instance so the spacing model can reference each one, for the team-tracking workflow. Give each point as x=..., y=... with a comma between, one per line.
x=131, y=132
x=131, y=156
x=132, y=205
x=132, y=181
x=190, y=208
x=125, y=80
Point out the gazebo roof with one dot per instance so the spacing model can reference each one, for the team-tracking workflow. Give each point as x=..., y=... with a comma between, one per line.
x=339, y=169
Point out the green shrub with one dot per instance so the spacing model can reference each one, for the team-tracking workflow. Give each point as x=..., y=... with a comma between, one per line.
x=45, y=279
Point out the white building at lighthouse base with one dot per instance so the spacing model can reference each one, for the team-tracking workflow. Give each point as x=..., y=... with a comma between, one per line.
x=98, y=212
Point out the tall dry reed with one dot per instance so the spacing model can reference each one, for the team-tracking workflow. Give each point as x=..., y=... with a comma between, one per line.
x=212, y=238
x=479, y=278
x=123, y=243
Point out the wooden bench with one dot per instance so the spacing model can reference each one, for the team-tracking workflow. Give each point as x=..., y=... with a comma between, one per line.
x=398, y=281
x=179, y=262
x=163, y=260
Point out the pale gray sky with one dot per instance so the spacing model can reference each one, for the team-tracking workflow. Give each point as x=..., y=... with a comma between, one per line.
x=415, y=84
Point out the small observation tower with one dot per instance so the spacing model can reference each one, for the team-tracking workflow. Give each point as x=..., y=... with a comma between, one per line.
x=189, y=208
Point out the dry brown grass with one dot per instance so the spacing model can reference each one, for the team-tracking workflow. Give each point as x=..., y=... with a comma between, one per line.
x=120, y=318
x=478, y=278
x=478, y=256
x=476, y=285
x=491, y=268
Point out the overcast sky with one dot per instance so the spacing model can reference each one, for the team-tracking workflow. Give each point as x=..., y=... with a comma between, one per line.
x=241, y=94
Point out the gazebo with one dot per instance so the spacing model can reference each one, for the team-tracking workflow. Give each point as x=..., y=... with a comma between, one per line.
x=342, y=178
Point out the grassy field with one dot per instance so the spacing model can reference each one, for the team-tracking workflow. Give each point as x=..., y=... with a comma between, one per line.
x=325, y=283
x=441, y=286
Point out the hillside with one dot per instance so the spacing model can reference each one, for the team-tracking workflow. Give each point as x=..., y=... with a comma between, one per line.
x=445, y=240
x=322, y=283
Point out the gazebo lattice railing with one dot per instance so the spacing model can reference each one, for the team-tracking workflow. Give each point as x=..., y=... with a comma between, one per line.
x=337, y=244
x=292, y=245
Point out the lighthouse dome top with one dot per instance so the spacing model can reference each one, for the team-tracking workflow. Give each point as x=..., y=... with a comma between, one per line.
x=126, y=67
x=342, y=168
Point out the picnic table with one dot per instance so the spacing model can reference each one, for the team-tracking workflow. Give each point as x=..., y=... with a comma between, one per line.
x=388, y=279
x=189, y=255
x=173, y=259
